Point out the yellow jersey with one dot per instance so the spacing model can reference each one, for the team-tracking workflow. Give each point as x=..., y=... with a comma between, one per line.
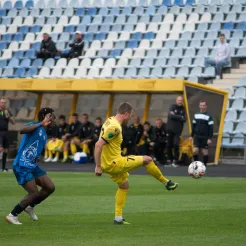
x=111, y=133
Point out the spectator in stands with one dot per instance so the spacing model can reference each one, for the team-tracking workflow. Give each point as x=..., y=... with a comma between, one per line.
x=76, y=47
x=175, y=124
x=147, y=139
x=222, y=58
x=5, y=118
x=85, y=135
x=47, y=48
x=73, y=133
x=132, y=136
x=160, y=141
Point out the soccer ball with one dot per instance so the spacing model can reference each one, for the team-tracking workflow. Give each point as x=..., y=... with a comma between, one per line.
x=80, y=158
x=197, y=169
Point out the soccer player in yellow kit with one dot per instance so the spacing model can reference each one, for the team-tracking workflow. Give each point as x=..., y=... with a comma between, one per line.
x=109, y=160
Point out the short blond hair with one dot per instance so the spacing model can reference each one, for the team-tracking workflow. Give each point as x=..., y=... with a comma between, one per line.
x=124, y=107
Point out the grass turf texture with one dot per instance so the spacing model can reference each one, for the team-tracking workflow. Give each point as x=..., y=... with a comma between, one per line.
x=209, y=211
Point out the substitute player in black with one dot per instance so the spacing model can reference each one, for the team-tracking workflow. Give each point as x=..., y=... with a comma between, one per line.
x=5, y=118
x=175, y=124
x=62, y=128
x=202, y=132
x=160, y=141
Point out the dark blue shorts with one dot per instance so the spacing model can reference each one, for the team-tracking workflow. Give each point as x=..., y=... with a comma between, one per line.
x=24, y=174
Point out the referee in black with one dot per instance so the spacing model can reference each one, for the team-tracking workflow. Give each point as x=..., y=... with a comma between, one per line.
x=202, y=132
x=5, y=117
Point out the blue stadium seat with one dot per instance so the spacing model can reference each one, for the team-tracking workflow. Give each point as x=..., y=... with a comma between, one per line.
x=37, y=63
x=128, y=28
x=3, y=63
x=86, y=20
x=19, y=73
x=190, y=2
x=6, y=21
x=88, y=37
x=127, y=10
x=100, y=36
x=70, y=28
x=115, y=52
x=167, y=3
x=80, y=12
x=29, y=4
x=228, y=26
x=103, y=11
x=7, y=37
x=143, y=3
x=136, y=36
x=241, y=25
x=120, y=44
x=36, y=46
x=117, y=28
x=81, y=28
x=132, y=44
x=18, y=37
x=25, y=63
x=13, y=63
x=3, y=12
x=115, y=11
x=31, y=72
x=179, y=2
x=8, y=73
x=109, y=20
x=150, y=10
x=91, y=11
x=149, y=35
x=19, y=54
x=3, y=45
x=24, y=29
x=18, y=5
x=139, y=10
x=7, y=5
x=30, y=54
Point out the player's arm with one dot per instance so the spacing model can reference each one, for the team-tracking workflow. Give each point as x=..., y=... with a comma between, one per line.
x=97, y=155
x=193, y=128
x=172, y=114
x=210, y=129
x=32, y=127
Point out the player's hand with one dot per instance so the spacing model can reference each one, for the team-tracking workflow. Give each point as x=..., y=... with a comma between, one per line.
x=98, y=171
x=151, y=144
x=64, y=138
x=209, y=141
x=6, y=112
x=47, y=120
x=191, y=139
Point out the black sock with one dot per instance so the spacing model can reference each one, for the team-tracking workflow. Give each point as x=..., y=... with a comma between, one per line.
x=17, y=210
x=205, y=159
x=195, y=157
x=36, y=202
x=4, y=159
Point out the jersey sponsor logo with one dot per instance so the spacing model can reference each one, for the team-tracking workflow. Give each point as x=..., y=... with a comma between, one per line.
x=29, y=155
x=201, y=117
x=40, y=133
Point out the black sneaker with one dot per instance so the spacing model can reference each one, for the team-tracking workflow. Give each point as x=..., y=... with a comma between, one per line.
x=171, y=186
x=123, y=222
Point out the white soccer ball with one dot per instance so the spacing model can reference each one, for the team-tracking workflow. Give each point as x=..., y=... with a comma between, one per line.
x=196, y=169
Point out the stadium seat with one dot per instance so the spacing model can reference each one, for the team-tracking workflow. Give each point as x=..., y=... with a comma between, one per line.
x=37, y=63
x=160, y=62
x=231, y=115
x=148, y=62
x=7, y=72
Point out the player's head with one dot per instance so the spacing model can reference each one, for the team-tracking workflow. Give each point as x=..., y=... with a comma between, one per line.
x=180, y=101
x=158, y=123
x=84, y=118
x=46, y=36
x=125, y=111
x=222, y=37
x=3, y=104
x=43, y=112
x=146, y=126
x=98, y=122
x=136, y=120
x=203, y=106
x=62, y=119
x=75, y=118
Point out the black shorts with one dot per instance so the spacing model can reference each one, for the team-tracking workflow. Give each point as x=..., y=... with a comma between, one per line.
x=200, y=142
x=4, y=140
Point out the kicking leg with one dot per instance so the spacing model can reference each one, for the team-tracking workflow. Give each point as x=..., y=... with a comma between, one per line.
x=155, y=172
x=195, y=154
x=32, y=195
x=205, y=156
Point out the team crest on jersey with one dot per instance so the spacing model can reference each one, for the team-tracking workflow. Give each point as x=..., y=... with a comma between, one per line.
x=110, y=135
x=40, y=133
x=29, y=155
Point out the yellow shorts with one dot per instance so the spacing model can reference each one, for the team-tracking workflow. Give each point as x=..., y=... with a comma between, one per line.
x=120, y=167
x=52, y=145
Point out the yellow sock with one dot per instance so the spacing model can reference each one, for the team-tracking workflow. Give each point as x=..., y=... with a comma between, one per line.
x=120, y=199
x=65, y=154
x=57, y=154
x=73, y=148
x=46, y=154
x=85, y=148
x=50, y=154
x=154, y=171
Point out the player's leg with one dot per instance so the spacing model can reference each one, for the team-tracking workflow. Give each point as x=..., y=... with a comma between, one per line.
x=74, y=142
x=65, y=151
x=5, y=151
x=176, y=140
x=120, y=200
x=205, y=153
x=32, y=190
x=196, y=148
x=169, y=147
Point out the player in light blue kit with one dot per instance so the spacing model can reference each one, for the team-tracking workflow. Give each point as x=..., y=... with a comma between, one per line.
x=25, y=168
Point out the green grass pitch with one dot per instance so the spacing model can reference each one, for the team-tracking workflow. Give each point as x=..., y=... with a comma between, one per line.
x=209, y=211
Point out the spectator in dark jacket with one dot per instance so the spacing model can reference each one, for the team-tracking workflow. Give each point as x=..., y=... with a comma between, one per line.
x=76, y=47
x=175, y=124
x=47, y=48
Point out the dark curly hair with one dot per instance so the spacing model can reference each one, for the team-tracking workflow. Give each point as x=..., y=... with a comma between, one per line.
x=43, y=112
